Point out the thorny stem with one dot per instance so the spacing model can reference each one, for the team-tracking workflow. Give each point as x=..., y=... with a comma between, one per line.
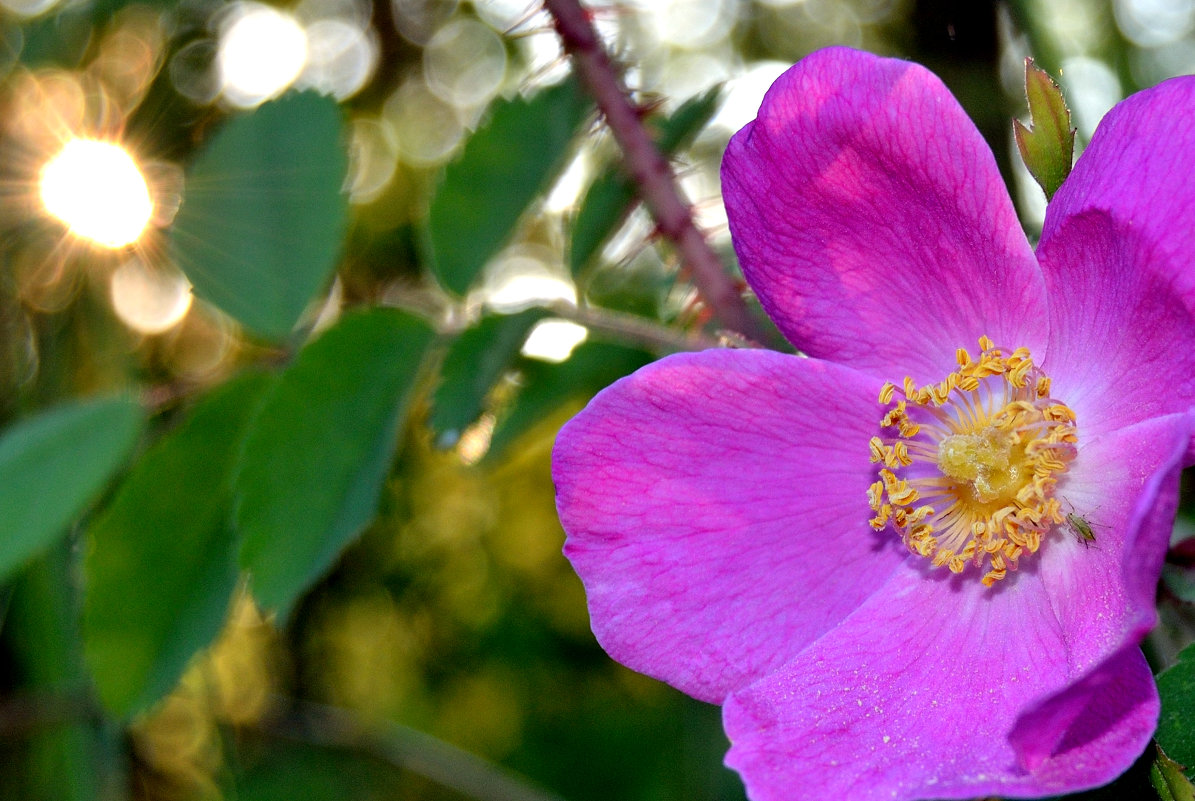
x=648, y=169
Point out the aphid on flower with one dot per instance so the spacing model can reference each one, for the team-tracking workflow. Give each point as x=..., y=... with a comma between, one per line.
x=1082, y=528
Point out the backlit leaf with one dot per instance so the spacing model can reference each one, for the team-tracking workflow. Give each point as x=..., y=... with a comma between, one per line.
x=53, y=465
x=504, y=166
x=475, y=360
x=162, y=565
x=260, y=227
x=317, y=453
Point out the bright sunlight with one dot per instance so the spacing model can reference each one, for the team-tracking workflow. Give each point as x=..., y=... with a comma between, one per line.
x=96, y=188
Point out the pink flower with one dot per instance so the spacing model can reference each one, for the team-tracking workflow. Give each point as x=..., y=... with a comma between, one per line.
x=879, y=581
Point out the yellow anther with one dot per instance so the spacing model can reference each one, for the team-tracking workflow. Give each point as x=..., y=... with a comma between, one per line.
x=920, y=513
x=875, y=495
x=923, y=546
x=968, y=383
x=895, y=414
x=922, y=530
x=1018, y=375
x=941, y=393
x=990, y=460
x=1058, y=413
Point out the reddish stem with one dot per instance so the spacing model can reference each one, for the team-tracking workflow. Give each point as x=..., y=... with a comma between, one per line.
x=648, y=169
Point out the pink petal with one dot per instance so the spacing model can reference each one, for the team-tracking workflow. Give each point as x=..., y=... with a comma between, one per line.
x=1126, y=485
x=911, y=697
x=1119, y=333
x=1138, y=167
x=937, y=688
x=869, y=216
x=716, y=510
x=1098, y=722
x=1103, y=592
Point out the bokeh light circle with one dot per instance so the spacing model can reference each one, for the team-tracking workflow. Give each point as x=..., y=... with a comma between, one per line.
x=150, y=301
x=97, y=190
x=465, y=63
x=261, y=53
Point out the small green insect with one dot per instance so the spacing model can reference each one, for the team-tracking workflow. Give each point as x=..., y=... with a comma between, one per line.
x=1082, y=528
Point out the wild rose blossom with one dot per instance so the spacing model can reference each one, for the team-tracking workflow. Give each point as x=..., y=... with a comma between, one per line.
x=873, y=556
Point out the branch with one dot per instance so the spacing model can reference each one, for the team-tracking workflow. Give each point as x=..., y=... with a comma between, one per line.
x=630, y=328
x=648, y=169
x=402, y=747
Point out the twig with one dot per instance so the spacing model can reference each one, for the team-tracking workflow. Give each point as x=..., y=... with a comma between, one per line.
x=402, y=747
x=648, y=169
x=34, y=712
x=626, y=328
x=629, y=328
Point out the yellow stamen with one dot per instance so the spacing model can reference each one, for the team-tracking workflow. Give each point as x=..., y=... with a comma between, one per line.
x=986, y=445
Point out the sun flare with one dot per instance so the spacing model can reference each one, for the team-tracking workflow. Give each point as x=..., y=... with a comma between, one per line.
x=97, y=190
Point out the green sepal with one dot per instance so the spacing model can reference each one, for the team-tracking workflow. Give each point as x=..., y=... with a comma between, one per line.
x=1168, y=779
x=1176, y=687
x=1047, y=144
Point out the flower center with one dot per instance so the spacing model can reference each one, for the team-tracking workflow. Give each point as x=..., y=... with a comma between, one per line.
x=970, y=468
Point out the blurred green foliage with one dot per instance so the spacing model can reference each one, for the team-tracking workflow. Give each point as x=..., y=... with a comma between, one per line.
x=331, y=565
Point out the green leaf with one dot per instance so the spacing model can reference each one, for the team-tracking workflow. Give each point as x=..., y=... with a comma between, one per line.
x=611, y=195
x=546, y=387
x=1167, y=777
x=1176, y=725
x=317, y=454
x=53, y=465
x=605, y=206
x=1048, y=145
x=504, y=166
x=677, y=131
x=162, y=563
x=260, y=227
x=475, y=360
